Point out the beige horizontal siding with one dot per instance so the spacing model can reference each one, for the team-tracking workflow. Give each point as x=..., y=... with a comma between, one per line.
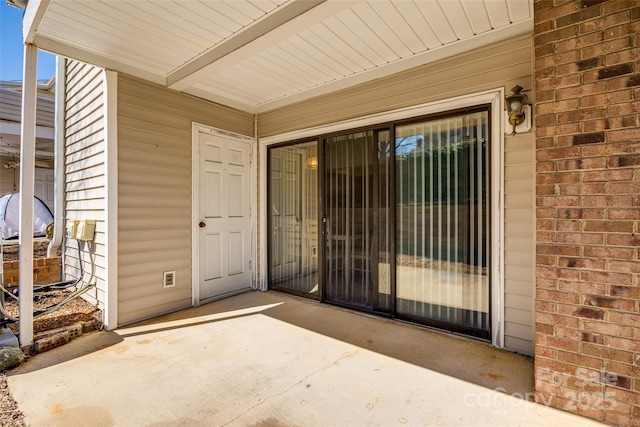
x=151, y=190
x=85, y=173
x=167, y=304
x=132, y=225
x=141, y=263
x=154, y=193
x=168, y=102
x=501, y=65
x=519, y=214
x=519, y=257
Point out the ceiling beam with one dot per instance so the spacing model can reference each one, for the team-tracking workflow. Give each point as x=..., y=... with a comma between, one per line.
x=72, y=52
x=33, y=15
x=13, y=128
x=285, y=21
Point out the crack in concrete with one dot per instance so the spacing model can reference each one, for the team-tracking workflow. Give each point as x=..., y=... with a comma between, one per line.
x=335, y=362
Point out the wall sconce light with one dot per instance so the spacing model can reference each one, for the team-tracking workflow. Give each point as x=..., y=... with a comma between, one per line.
x=518, y=112
x=311, y=163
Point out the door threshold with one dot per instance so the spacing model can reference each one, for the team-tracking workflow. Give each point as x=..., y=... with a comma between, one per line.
x=225, y=295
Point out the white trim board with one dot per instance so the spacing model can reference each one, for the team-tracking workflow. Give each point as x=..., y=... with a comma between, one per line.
x=462, y=101
x=495, y=98
x=110, y=93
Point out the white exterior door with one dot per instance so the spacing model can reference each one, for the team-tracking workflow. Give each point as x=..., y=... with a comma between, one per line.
x=224, y=222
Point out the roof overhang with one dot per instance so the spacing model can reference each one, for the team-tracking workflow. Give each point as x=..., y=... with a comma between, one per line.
x=259, y=55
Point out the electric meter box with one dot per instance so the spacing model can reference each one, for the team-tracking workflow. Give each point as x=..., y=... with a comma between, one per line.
x=72, y=228
x=86, y=229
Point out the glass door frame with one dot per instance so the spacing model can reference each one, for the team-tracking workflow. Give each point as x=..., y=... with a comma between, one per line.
x=375, y=129
x=494, y=99
x=486, y=335
x=270, y=225
x=323, y=262
x=391, y=126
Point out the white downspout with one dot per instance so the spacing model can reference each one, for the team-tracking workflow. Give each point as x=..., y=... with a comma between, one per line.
x=58, y=160
x=27, y=178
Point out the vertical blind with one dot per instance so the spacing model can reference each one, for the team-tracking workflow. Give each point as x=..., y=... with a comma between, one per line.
x=443, y=218
x=356, y=207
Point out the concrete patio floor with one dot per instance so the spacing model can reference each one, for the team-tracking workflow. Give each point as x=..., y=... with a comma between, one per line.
x=268, y=359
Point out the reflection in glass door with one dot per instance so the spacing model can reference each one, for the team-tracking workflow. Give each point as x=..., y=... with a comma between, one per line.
x=356, y=207
x=443, y=218
x=293, y=218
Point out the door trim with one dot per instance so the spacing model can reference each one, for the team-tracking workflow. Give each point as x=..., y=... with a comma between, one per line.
x=494, y=97
x=196, y=129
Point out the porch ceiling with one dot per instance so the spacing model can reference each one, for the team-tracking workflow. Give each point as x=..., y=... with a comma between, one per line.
x=257, y=55
x=11, y=116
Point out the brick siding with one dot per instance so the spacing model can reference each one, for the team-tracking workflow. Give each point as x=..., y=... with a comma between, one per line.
x=587, y=59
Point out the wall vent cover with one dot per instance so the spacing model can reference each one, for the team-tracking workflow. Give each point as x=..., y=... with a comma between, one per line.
x=169, y=279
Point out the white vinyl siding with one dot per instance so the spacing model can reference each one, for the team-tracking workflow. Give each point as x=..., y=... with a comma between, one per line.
x=501, y=65
x=154, y=193
x=84, y=170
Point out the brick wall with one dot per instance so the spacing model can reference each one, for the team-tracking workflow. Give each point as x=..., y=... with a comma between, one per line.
x=587, y=59
x=45, y=271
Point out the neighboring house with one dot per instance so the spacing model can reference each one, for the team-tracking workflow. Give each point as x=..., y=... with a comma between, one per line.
x=357, y=153
x=10, y=121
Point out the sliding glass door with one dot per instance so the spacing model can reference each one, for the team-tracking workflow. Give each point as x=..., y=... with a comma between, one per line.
x=393, y=220
x=443, y=218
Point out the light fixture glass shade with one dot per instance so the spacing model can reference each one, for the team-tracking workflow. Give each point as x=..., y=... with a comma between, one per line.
x=311, y=163
x=515, y=106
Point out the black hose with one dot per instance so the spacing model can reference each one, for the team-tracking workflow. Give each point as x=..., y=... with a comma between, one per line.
x=43, y=288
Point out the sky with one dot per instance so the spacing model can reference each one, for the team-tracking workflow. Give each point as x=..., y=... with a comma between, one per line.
x=12, y=49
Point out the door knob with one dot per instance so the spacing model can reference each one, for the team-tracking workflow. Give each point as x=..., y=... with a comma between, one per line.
x=202, y=224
